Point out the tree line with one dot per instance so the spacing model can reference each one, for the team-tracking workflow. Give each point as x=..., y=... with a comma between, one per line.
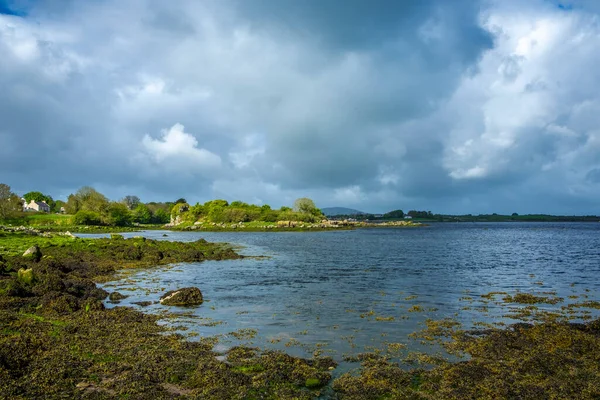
x=90, y=207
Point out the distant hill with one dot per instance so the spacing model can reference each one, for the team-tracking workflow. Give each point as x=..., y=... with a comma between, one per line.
x=333, y=211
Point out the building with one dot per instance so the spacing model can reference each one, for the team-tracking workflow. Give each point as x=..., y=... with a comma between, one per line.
x=37, y=206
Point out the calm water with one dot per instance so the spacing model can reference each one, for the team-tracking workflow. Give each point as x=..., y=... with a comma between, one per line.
x=337, y=291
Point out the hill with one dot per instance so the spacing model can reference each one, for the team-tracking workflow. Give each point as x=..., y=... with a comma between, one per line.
x=333, y=211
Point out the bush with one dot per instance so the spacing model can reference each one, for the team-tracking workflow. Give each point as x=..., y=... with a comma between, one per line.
x=87, y=218
x=118, y=215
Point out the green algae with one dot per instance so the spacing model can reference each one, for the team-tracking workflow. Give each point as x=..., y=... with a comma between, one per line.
x=550, y=357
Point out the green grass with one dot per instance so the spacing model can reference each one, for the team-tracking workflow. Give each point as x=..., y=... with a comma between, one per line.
x=38, y=219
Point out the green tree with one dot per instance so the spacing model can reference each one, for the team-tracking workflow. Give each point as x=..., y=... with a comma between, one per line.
x=305, y=205
x=73, y=204
x=82, y=217
x=117, y=214
x=394, y=214
x=92, y=200
x=37, y=196
x=142, y=214
x=58, y=204
x=131, y=201
x=10, y=203
x=160, y=217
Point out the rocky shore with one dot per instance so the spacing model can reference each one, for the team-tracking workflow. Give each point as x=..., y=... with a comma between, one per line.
x=58, y=341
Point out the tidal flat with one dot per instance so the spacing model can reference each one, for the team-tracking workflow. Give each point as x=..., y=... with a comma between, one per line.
x=61, y=338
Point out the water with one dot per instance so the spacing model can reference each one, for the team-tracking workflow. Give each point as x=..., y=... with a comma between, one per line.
x=348, y=292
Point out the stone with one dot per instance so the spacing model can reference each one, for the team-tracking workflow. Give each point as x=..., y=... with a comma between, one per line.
x=116, y=296
x=33, y=253
x=142, y=303
x=190, y=296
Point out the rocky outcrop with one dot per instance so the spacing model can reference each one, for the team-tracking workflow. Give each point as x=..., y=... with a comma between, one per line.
x=191, y=296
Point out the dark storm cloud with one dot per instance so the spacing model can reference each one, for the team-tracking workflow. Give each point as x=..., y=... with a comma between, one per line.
x=450, y=106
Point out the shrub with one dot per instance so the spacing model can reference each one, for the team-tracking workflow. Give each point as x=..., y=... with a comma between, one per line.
x=87, y=218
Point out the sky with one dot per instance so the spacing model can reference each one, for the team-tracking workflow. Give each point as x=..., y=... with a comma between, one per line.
x=456, y=107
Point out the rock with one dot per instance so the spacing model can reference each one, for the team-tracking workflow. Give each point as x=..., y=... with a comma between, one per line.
x=69, y=234
x=165, y=235
x=142, y=303
x=26, y=276
x=116, y=296
x=33, y=253
x=116, y=236
x=190, y=296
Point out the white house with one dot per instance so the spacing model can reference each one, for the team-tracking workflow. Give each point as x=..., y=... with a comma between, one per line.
x=37, y=206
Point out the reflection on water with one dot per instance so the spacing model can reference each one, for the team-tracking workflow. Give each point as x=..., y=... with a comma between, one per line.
x=346, y=292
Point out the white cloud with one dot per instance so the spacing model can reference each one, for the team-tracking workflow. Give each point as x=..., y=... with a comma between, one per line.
x=518, y=115
x=178, y=149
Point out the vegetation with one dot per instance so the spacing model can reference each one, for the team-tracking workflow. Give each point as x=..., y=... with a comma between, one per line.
x=221, y=211
x=88, y=207
x=58, y=341
x=550, y=359
x=10, y=203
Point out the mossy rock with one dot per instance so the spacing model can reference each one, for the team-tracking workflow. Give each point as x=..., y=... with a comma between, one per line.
x=313, y=383
x=116, y=236
x=116, y=296
x=191, y=296
x=26, y=276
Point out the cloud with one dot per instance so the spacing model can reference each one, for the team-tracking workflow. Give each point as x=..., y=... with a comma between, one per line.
x=462, y=107
x=176, y=149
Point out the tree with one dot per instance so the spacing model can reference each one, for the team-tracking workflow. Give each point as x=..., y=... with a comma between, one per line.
x=10, y=203
x=142, y=214
x=37, y=196
x=117, y=214
x=306, y=206
x=160, y=217
x=131, y=201
x=87, y=199
x=86, y=218
x=58, y=204
x=394, y=214
x=180, y=200
x=73, y=204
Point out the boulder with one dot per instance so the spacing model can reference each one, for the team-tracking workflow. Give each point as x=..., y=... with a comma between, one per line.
x=33, y=253
x=190, y=296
